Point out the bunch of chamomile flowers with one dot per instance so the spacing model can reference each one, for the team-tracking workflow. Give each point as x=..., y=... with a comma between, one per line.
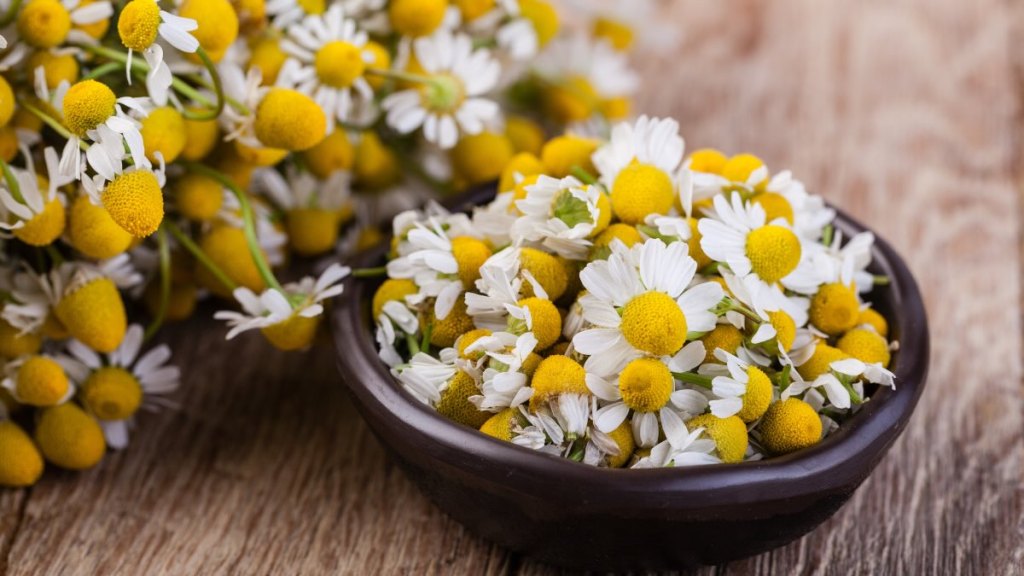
x=156, y=154
x=621, y=304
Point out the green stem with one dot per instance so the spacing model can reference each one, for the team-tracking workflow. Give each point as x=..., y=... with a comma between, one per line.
x=414, y=346
x=12, y=182
x=691, y=378
x=200, y=256
x=165, y=283
x=248, y=223
x=827, y=234
x=12, y=11
x=55, y=255
x=218, y=89
x=103, y=70
x=427, y=332
x=880, y=280
x=370, y=272
x=583, y=175
x=122, y=57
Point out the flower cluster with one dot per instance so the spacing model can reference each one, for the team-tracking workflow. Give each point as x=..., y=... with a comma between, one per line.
x=155, y=154
x=621, y=304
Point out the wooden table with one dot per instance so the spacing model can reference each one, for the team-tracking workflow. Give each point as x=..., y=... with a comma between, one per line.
x=906, y=113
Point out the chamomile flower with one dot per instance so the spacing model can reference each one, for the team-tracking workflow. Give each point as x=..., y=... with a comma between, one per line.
x=640, y=302
x=133, y=196
x=245, y=87
x=449, y=100
x=846, y=263
x=37, y=380
x=425, y=377
x=504, y=381
x=691, y=450
x=313, y=208
x=113, y=387
x=560, y=215
x=585, y=77
x=327, y=62
x=140, y=24
x=44, y=24
x=35, y=216
x=746, y=390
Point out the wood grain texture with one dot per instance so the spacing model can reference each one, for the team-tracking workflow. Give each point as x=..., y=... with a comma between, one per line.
x=908, y=114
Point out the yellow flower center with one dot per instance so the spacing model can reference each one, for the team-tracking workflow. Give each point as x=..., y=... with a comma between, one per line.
x=57, y=68
x=445, y=332
x=556, y=375
x=315, y=7
x=572, y=100
x=525, y=134
x=88, y=104
x=13, y=343
x=163, y=131
x=834, y=309
x=376, y=166
x=872, y=318
x=455, y=405
x=618, y=34
x=623, y=438
x=294, y=333
x=562, y=153
x=740, y=167
x=466, y=340
x=724, y=336
x=604, y=214
x=707, y=160
x=70, y=438
x=546, y=270
x=774, y=252
x=523, y=164
x=416, y=17
x=617, y=108
x=654, y=323
x=21, y=464
x=473, y=9
x=112, y=393
x=138, y=24
x=267, y=55
x=198, y=197
x=44, y=227
x=311, y=231
x=547, y=322
x=790, y=425
x=500, y=425
x=200, y=138
x=775, y=206
x=639, y=190
x=646, y=385
x=218, y=25
x=135, y=201
x=470, y=254
x=543, y=17
x=729, y=435
x=623, y=232
x=335, y=152
x=289, y=120
x=785, y=328
x=392, y=289
x=865, y=345
x=479, y=158
x=338, y=64
x=94, y=314
x=819, y=362
x=227, y=248
x=44, y=23
x=758, y=395
x=41, y=382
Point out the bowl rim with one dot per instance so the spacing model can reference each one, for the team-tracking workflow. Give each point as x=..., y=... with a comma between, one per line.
x=841, y=461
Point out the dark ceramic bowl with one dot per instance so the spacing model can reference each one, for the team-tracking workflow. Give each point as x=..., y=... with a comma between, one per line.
x=578, y=516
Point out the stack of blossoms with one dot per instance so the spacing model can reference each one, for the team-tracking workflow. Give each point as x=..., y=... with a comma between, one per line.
x=154, y=154
x=619, y=305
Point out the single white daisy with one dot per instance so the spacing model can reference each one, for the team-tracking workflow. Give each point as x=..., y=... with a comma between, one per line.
x=692, y=450
x=136, y=25
x=426, y=377
x=559, y=214
x=504, y=384
x=32, y=202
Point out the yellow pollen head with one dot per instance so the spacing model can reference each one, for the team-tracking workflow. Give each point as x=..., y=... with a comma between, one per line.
x=519, y=191
x=627, y=234
x=775, y=206
x=7, y=106
x=311, y=231
x=546, y=270
x=695, y=250
x=729, y=435
x=774, y=252
x=455, y=405
x=790, y=425
x=619, y=35
x=200, y=138
x=376, y=166
x=604, y=214
x=865, y=345
x=94, y=313
x=615, y=108
x=44, y=227
x=740, y=167
x=392, y=289
x=218, y=25
x=523, y=164
x=562, y=153
x=785, y=328
x=572, y=100
x=455, y=324
x=13, y=343
x=623, y=438
x=290, y=120
x=334, y=152
x=473, y=9
x=479, y=158
x=315, y=7
x=531, y=363
x=97, y=29
x=834, y=309
x=724, y=336
x=547, y=322
x=259, y=155
x=871, y=317
x=467, y=340
x=338, y=64
x=653, y=322
x=525, y=134
x=112, y=393
x=500, y=425
x=819, y=362
x=163, y=131
x=470, y=254
x=41, y=382
x=543, y=17
x=136, y=202
x=56, y=67
x=21, y=464
x=639, y=190
x=267, y=55
x=138, y=23
x=758, y=395
x=198, y=197
x=294, y=333
x=70, y=438
x=556, y=375
x=708, y=160
x=379, y=58
x=227, y=248
x=416, y=17
x=646, y=384
x=44, y=23
x=87, y=104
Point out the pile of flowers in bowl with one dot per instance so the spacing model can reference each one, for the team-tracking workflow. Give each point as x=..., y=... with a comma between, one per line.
x=620, y=304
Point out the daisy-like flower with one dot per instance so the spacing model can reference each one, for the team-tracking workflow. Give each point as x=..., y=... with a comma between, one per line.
x=560, y=215
x=133, y=196
x=780, y=316
x=327, y=62
x=504, y=384
x=586, y=77
x=313, y=208
x=640, y=166
x=139, y=25
x=448, y=102
x=113, y=387
x=646, y=389
x=499, y=288
x=45, y=24
x=425, y=377
x=245, y=87
x=810, y=214
x=692, y=450
x=738, y=235
x=745, y=391
x=640, y=302
x=37, y=381
x=395, y=315
x=842, y=381
x=35, y=216
x=846, y=264
x=288, y=319
x=271, y=239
